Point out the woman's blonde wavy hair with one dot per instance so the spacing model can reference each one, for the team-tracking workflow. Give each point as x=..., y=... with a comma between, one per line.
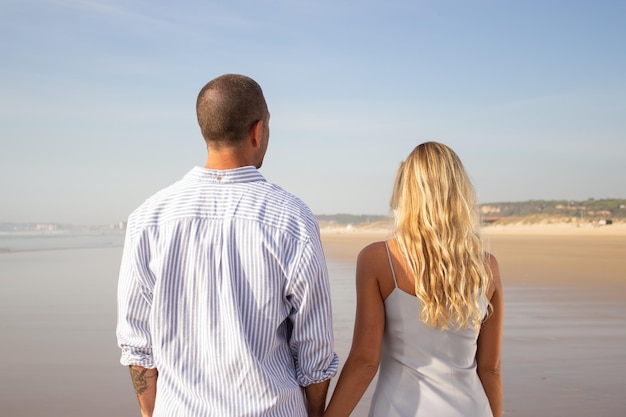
x=437, y=229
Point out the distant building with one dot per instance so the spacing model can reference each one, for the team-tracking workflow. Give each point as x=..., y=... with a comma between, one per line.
x=485, y=220
x=571, y=206
x=490, y=209
x=45, y=227
x=601, y=213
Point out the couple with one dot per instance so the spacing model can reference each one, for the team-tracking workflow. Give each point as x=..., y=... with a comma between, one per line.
x=224, y=301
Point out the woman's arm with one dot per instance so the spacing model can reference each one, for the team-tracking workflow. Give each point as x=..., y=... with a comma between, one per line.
x=489, y=352
x=362, y=362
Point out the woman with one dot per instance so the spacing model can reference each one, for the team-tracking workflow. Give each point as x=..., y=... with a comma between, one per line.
x=429, y=303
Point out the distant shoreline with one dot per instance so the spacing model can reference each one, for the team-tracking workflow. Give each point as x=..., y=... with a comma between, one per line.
x=561, y=228
x=586, y=229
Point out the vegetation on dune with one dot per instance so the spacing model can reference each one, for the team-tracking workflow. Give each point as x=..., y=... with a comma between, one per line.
x=554, y=211
x=525, y=212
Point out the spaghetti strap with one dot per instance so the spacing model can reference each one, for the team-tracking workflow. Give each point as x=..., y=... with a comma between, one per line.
x=393, y=273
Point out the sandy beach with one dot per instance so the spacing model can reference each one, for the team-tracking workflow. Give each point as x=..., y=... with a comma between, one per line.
x=529, y=255
x=564, y=335
x=565, y=292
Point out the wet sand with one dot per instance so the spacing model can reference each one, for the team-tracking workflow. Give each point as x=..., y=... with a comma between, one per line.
x=58, y=350
x=565, y=319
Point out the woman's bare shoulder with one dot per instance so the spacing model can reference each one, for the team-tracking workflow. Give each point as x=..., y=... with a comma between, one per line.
x=373, y=250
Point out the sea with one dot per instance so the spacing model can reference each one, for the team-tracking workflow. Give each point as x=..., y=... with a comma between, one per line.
x=59, y=357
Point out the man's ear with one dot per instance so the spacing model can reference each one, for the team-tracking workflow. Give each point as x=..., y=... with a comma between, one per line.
x=256, y=137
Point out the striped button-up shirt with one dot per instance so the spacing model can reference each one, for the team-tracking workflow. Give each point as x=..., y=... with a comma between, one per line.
x=224, y=289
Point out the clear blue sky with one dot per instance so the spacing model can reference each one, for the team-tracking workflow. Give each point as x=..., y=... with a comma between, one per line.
x=97, y=98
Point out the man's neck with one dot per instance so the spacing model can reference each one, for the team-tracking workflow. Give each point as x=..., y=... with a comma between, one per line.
x=226, y=158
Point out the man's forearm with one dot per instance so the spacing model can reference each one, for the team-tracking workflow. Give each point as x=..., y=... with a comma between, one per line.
x=145, y=383
x=316, y=398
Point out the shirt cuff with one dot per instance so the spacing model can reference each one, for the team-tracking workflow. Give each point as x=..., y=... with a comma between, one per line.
x=137, y=357
x=316, y=377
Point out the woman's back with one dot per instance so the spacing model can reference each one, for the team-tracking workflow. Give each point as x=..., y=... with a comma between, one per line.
x=425, y=371
x=422, y=323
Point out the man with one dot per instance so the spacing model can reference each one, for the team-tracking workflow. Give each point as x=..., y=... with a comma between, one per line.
x=223, y=298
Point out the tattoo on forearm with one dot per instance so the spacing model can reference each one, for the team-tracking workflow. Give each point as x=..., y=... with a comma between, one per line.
x=140, y=379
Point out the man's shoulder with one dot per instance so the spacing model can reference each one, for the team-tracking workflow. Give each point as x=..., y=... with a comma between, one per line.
x=289, y=210
x=153, y=204
x=290, y=201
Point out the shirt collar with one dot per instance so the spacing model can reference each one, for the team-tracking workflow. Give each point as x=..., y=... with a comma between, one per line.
x=227, y=176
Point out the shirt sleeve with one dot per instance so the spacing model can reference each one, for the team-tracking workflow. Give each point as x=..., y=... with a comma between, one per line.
x=311, y=342
x=134, y=297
